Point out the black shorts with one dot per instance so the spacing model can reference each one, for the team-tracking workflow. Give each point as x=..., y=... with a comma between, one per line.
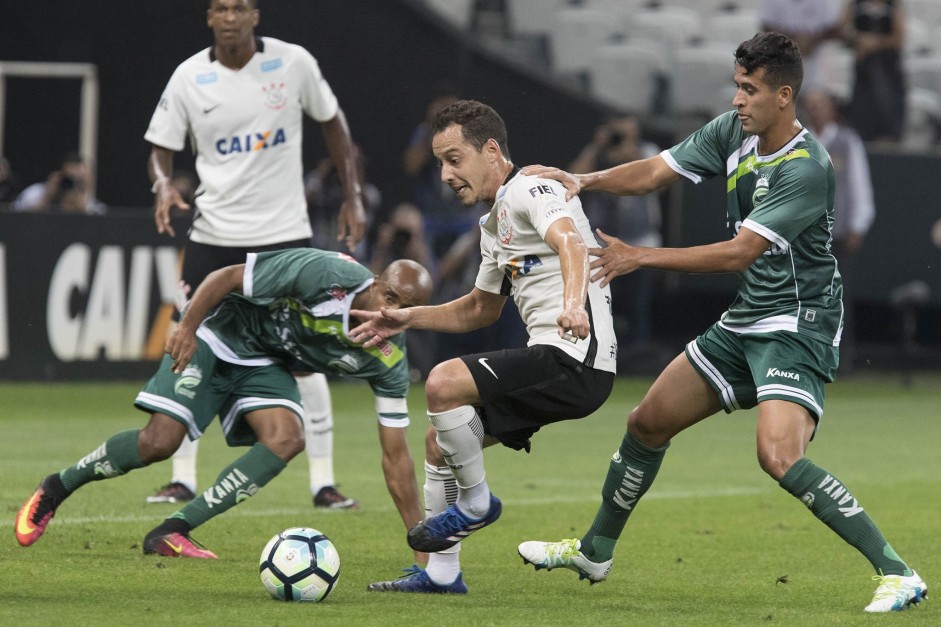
x=522, y=389
x=201, y=259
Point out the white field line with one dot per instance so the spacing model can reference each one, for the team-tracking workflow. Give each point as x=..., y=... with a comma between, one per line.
x=160, y=514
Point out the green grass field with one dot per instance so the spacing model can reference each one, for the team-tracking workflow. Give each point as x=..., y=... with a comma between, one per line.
x=715, y=542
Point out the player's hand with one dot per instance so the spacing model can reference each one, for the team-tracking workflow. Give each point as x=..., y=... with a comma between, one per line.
x=181, y=346
x=615, y=259
x=351, y=221
x=378, y=325
x=570, y=181
x=166, y=198
x=573, y=322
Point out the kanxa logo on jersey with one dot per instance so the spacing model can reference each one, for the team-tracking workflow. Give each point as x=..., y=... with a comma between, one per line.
x=337, y=292
x=250, y=142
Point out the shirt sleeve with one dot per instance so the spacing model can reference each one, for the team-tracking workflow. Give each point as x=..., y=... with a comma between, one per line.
x=317, y=98
x=703, y=154
x=170, y=123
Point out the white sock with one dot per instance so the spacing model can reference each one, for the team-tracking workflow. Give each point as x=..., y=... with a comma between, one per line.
x=461, y=440
x=184, y=464
x=318, y=429
x=440, y=491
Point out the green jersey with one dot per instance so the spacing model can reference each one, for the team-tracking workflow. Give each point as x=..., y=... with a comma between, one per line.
x=294, y=310
x=787, y=198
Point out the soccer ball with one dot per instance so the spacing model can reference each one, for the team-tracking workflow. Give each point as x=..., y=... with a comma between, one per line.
x=300, y=564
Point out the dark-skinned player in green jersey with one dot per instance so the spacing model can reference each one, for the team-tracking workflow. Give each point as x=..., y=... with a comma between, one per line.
x=778, y=343
x=246, y=329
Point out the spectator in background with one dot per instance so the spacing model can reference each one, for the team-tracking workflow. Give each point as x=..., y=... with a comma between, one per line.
x=445, y=217
x=876, y=30
x=809, y=23
x=7, y=181
x=324, y=190
x=69, y=189
x=853, y=208
x=635, y=219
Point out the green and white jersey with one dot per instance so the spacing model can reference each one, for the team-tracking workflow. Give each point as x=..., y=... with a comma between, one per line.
x=294, y=310
x=787, y=198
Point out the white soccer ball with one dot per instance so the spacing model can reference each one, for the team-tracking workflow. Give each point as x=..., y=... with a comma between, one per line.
x=300, y=564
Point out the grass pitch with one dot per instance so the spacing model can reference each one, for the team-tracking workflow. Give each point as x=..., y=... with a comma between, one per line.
x=715, y=542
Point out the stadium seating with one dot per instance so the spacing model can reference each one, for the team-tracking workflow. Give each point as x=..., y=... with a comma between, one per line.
x=924, y=72
x=575, y=34
x=458, y=12
x=699, y=72
x=923, y=124
x=672, y=26
x=927, y=10
x=627, y=76
x=730, y=29
x=533, y=18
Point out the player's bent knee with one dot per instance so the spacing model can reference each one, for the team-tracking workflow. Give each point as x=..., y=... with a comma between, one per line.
x=773, y=464
x=159, y=439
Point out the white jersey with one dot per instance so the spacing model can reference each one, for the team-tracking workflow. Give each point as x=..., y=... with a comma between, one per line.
x=518, y=261
x=246, y=129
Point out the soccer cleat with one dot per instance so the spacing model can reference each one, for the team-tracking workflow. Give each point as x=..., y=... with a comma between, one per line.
x=549, y=555
x=417, y=580
x=174, y=492
x=444, y=530
x=175, y=544
x=329, y=497
x=896, y=592
x=36, y=513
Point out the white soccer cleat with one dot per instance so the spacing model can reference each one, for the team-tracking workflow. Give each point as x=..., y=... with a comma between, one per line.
x=896, y=592
x=549, y=555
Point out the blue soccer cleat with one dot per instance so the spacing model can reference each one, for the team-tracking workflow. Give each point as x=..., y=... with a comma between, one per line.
x=444, y=530
x=417, y=580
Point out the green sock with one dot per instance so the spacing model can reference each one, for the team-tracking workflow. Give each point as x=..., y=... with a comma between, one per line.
x=830, y=501
x=249, y=473
x=115, y=457
x=633, y=468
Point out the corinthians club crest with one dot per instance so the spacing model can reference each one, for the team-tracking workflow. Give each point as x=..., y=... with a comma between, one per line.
x=275, y=96
x=504, y=228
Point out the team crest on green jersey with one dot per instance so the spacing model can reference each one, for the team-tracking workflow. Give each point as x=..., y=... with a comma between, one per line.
x=761, y=190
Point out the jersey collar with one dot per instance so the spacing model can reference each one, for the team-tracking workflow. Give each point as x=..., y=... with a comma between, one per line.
x=259, y=47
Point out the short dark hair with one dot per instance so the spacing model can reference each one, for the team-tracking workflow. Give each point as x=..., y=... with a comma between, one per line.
x=478, y=122
x=254, y=4
x=777, y=54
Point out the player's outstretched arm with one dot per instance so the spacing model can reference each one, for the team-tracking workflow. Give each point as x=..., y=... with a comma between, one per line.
x=399, y=471
x=472, y=311
x=181, y=344
x=628, y=179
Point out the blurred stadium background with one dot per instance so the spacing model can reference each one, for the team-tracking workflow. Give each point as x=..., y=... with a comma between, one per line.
x=82, y=297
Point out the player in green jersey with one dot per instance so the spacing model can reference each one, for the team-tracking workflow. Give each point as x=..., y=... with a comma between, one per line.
x=777, y=344
x=247, y=328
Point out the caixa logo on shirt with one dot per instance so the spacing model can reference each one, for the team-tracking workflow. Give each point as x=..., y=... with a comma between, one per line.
x=250, y=142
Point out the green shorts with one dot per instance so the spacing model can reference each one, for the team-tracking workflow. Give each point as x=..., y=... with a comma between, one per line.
x=209, y=387
x=747, y=368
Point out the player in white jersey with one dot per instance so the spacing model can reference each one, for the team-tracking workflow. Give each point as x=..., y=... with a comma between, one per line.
x=775, y=347
x=534, y=245
x=241, y=103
